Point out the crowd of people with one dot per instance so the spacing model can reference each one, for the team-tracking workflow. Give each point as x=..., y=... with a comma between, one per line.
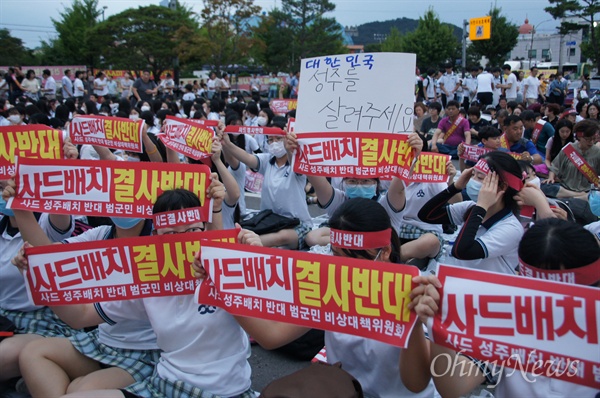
x=167, y=347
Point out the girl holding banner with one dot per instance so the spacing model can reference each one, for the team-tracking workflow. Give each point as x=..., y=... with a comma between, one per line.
x=383, y=370
x=31, y=322
x=552, y=249
x=490, y=229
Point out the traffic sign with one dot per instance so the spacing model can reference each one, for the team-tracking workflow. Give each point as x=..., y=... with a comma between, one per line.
x=571, y=43
x=480, y=28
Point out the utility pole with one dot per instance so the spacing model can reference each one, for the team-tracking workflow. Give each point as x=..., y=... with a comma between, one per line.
x=464, y=46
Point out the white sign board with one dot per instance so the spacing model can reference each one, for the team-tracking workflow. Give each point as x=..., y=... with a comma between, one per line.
x=357, y=93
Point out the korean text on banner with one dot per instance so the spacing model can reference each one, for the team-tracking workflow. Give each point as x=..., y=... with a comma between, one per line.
x=188, y=138
x=107, y=131
x=515, y=322
x=283, y=106
x=430, y=167
x=362, y=298
x=103, y=188
x=254, y=130
x=31, y=141
x=362, y=155
x=354, y=93
x=473, y=152
x=117, y=269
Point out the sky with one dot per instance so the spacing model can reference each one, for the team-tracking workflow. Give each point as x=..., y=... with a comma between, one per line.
x=30, y=20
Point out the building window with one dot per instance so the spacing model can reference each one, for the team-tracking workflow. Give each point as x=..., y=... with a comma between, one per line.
x=532, y=53
x=546, y=53
x=571, y=52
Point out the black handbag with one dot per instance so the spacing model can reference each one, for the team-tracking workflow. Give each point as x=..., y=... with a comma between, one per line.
x=266, y=222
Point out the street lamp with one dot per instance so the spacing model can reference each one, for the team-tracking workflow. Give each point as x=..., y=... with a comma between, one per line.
x=532, y=33
x=103, y=9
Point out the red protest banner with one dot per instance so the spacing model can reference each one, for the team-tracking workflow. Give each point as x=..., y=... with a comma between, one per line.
x=534, y=326
x=430, y=167
x=117, y=269
x=363, y=298
x=103, y=188
x=176, y=218
x=473, y=152
x=111, y=132
x=204, y=122
x=360, y=155
x=254, y=130
x=31, y=141
x=283, y=106
x=291, y=125
x=188, y=138
x=579, y=162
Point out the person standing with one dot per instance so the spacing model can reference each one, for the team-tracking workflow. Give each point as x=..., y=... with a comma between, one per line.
x=273, y=86
x=510, y=84
x=49, y=90
x=485, y=88
x=125, y=85
x=78, y=87
x=429, y=86
x=449, y=84
x=143, y=89
x=531, y=89
x=67, y=84
x=100, y=85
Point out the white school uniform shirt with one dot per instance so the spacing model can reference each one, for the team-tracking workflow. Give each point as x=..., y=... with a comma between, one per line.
x=499, y=236
x=594, y=228
x=282, y=190
x=429, y=85
x=533, y=85
x=201, y=345
x=417, y=194
x=484, y=82
x=449, y=81
x=13, y=294
x=513, y=385
x=119, y=331
x=103, y=86
x=374, y=364
x=512, y=91
x=240, y=177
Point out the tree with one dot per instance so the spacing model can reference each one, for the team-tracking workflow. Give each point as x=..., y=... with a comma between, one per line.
x=392, y=43
x=432, y=41
x=12, y=50
x=503, y=39
x=569, y=11
x=276, y=36
x=312, y=34
x=74, y=44
x=143, y=37
x=227, y=30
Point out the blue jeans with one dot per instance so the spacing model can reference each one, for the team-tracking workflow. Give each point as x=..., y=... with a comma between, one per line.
x=272, y=93
x=448, y=150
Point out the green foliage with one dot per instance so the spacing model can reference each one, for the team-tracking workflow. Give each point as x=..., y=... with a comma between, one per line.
x=373, y=48
x=432, y=41
x=393, y=43
x=586, y=10
x=75, y=44
x=503, y=39
x=274, y=33
x=12, y=50
x=143, y=37
x=368, y=33
x=227, y=34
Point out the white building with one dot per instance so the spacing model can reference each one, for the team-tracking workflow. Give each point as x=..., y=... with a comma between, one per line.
x=539, y=47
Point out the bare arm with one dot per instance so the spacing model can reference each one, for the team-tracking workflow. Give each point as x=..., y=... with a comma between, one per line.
x=415, y=371
x=233, y=150
x=232, y=191
x=270, y=334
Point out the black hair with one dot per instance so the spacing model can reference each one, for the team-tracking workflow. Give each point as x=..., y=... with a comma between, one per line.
x=453, y=103
x=252, y=108
x=512, y=119
x=124, y=105
x=279, y=121
x=474, y=111
x=39, y=118
x=163, y=113
x=199, y=114
x=435, y=105
x=526, y=167
x=62, y=113
x=156, y=105
x=554, y=108
x=90, y=107
x=580, y=104
x=215, y=106
x=501, y=163
x=557, y=144
x=364, y=215
x=175, y=199
x=506, y=67
x=528, y=115
x=264, y=104
x=46, y=72
x=555, y=244
x=488, y=132
x=148, y=118
x=32, y=110
x=270, y=115
x=187, y=107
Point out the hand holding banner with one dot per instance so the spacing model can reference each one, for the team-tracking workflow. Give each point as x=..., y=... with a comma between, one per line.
x=107, y=131
x=254, y=130
x=363, y=298
x=102, y=188
x=187, y=137
x=283, y=106
x=117, y=269
x=31, y=141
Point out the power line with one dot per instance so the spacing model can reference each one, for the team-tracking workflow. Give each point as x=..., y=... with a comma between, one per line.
x=27, y=26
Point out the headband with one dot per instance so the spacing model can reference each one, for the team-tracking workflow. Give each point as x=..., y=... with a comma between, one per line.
x=512, y=181
x=177, y=218
x=587, y=275
x=355, y=240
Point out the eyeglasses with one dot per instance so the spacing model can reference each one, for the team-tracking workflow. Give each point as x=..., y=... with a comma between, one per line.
x=193, y=229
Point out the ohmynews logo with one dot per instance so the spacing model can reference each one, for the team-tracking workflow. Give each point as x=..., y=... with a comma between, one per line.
x=444, y=365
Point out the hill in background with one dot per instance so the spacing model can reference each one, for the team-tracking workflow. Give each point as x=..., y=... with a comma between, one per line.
x=376, y=32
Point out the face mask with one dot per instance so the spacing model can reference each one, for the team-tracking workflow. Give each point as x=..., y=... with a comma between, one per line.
x=133, y=159
x=536, y=181
x=114, y=106
x=361, y=191
x=145, y=108
x=84, y=109
x=135, y=118
x=473, y=188
x=3, y=208
x=103, y=113
x=276, y=149
x=262, y=121
x=14, y=119
x=594, y=200
x=125, y=223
